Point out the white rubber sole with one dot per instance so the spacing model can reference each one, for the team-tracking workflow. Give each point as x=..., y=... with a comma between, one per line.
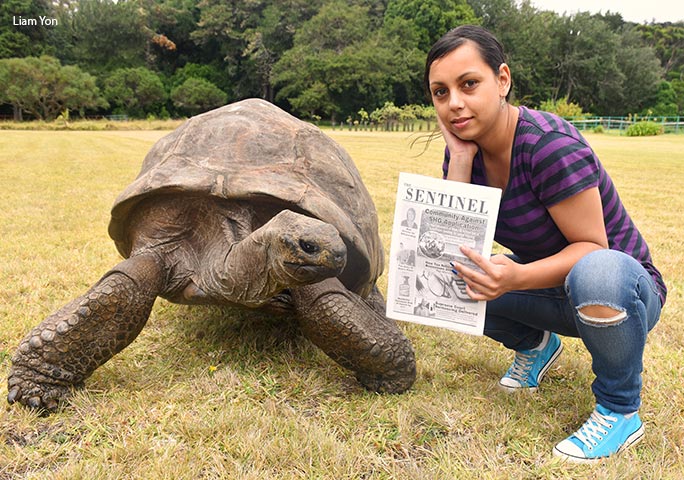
x=633, y=439
x=540, y=377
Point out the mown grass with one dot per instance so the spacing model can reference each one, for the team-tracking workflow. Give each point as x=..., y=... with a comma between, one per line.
x=206, y=393
x=91, y=125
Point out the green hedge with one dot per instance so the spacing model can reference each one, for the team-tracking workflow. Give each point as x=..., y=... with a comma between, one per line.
x=644, y=129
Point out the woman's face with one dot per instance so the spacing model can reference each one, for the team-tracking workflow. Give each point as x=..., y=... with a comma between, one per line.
x=466, y=92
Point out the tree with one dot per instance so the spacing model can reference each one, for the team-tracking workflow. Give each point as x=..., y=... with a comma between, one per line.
x=272, y=36
x=5, y=98
x=387, y=115
x=586, y=55
x=403, y=62
x=171, y=23
x=678, y=86
x=135, y=91
x=23, y=41
x=494, y=13
x=431, y=18
x=334, y=57
x=563, y=108
x=596, y=61
x=197, y=95
x=666, y=101
x=668, y=42
x=222, y=29
x=339, y=64
x=528, y=39
x=103, y=35
x=427, y=113
x=318, y=73
x=44, y=88
x=642, y=74
x=210, y=73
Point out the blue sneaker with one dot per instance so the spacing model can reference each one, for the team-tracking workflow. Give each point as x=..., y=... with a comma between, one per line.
x=530, y=366
x=604, y=434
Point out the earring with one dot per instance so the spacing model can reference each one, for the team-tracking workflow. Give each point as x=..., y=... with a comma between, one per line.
x=502, y=103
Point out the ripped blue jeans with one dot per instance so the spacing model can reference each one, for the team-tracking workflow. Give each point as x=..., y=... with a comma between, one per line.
x=604, y=278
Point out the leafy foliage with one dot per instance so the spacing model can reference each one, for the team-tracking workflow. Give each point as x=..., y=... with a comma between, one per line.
x=103, y=35
x=135, y=91
x=431, y=18
x=332, y=58
x=666, y=100
x=22, y=41
x=337, y=65
x=44, y=88
x=563, y=108
x=197, y=95
x=644, y=129
x=668, y=42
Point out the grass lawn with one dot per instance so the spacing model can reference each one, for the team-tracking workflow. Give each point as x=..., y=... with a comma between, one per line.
x=205, y=393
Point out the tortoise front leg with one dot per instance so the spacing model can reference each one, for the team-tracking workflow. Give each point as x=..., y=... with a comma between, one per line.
x=70, y=344
x=356, y=335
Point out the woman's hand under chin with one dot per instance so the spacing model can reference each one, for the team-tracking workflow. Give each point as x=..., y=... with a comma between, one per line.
x=461, y=154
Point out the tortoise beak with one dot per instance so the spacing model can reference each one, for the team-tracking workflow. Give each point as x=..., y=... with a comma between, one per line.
x=338, y=260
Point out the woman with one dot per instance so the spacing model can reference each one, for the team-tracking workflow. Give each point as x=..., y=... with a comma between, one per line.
x=579, y=266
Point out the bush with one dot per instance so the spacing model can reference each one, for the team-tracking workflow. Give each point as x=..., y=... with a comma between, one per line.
x=197, y=95
x=134, y=91
x=563, y=108
x=644, y=129
x=599, y=129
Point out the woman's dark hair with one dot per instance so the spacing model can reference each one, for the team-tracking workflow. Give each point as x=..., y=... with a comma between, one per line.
x=489, y=47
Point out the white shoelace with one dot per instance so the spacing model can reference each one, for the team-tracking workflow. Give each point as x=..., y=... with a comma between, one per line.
x=593, y=430
x=522, y=364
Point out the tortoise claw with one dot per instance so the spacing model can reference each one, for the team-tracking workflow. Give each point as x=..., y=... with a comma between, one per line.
x=51, y=404
x=14, y=395
x=34, y=402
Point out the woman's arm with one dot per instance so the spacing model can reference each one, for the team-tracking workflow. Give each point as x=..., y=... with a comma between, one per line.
x=579, y=218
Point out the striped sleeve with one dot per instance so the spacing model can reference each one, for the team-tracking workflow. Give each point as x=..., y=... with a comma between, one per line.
x=562, y=166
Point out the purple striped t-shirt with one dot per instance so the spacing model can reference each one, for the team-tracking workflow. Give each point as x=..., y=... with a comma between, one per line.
x=551, y=162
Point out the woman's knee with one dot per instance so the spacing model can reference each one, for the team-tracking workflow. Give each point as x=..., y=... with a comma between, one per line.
x=601, y=315
x=596, y=287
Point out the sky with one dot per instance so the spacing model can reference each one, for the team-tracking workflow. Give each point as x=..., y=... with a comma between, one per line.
x=639, y=11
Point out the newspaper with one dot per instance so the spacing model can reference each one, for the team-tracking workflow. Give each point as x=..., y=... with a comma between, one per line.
x=433, y=218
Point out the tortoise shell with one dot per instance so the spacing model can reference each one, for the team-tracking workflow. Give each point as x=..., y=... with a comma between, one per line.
x=253, y=151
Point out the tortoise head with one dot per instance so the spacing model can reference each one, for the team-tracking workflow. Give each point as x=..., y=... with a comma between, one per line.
x=303, y=250
x=290, y=250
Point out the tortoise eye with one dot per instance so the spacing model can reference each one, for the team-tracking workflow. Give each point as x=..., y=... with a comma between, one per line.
x=308, y=247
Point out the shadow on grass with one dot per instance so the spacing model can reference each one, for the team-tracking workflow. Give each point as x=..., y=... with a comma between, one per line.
x=180, y=343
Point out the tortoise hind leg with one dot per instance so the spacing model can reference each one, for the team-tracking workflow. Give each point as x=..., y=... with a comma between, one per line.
x=70, y=344
x=356, y=335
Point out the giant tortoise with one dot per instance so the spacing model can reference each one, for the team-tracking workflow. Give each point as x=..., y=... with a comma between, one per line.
x=243, y=205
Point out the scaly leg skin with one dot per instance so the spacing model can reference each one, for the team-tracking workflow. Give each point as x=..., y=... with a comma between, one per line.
x=356, y=336
x=70, y=344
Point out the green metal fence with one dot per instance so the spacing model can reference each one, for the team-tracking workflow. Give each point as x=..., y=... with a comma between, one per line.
x=669, y=124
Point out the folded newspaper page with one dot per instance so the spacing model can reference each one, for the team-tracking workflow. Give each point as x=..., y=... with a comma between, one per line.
x=433, y=218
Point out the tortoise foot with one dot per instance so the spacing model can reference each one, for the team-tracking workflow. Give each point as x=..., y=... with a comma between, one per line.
x=35, y=390
x=386, y=383
x=390, y=370
x=357, y=335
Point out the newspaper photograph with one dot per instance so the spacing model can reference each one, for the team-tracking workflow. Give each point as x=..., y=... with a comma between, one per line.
x=433, y=218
